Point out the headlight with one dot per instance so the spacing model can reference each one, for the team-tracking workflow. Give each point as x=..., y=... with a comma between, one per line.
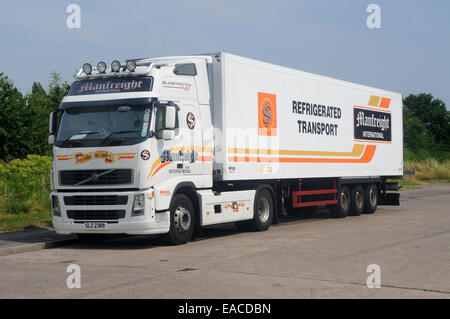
x=56, y=209
x=115, y=66
x=138, y=205
x=131, y=66
x=87, y=68
x=101, y=67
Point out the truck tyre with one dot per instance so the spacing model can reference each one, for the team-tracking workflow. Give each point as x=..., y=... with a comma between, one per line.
x=371, y=199
x=262, y=213
x=357, y=200
x=342, y=208
x=182, y=220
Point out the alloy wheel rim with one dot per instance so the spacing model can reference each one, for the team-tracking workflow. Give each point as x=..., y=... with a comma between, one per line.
x=263, y=209
x=372, y=197
x=344, y=200
x=182, y=219
x=358, y=199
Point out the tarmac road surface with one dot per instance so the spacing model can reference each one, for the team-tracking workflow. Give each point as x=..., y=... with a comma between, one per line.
x=306, y=256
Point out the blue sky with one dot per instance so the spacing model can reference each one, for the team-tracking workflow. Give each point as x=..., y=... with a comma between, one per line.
x=409, y=54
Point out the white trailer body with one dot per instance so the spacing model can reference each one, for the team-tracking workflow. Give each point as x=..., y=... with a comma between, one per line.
x=282, y=123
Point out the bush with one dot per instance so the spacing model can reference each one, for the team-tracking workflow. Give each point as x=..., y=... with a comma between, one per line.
x=25, y=185
x=429, y=170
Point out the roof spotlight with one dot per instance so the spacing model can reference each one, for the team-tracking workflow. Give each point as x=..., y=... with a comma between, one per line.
x=101, y=67
x=131, y=66
x=87, y=68
x=115, y=66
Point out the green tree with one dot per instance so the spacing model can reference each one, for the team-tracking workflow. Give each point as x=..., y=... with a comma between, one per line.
x=24, y=119
x=38, y=89
x=14, y=121
x=41, y=105
x=57, y=90
x=426, y=126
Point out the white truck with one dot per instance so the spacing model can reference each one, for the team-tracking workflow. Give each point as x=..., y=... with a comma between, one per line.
x=168, y=145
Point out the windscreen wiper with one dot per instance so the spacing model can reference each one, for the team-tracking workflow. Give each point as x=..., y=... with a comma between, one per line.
x=115, y=133
x=82, y=132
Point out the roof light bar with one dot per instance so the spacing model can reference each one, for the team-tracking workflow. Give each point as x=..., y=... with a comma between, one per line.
x=131, y=65
x=115, y=66
x=87, y=68
x=101, y=67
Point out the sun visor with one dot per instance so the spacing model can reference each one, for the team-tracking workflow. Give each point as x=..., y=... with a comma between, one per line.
x=135, y=101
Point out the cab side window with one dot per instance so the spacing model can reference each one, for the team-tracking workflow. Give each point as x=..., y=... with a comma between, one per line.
x=160, y=120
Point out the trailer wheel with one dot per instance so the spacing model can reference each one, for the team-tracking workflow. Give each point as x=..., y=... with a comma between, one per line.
x=262, y=213
x=371, y=196
x=357, y=200
x=182, y=220
x=342, y=208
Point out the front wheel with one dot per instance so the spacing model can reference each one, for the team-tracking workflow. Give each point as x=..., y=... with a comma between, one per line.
x=182, y=220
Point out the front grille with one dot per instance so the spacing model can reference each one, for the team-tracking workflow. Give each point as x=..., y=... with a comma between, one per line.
x=95, y=214
x=114, y=177
x=86, y=200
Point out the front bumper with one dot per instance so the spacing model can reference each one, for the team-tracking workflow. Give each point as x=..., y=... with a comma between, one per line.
x=148, y=223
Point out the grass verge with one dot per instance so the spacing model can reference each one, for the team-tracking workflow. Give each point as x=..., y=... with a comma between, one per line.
x=428, y=171
x=12, y=222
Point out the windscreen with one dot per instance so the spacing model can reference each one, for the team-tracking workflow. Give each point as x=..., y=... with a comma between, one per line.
x=103, y=125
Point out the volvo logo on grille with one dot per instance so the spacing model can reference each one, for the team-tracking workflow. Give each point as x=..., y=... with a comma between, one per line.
x=94, y=177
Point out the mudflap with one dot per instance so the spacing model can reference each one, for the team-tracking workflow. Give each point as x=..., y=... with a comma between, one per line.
x=390, y=199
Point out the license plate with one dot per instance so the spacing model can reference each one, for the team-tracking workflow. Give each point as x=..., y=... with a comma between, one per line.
x=95, y=225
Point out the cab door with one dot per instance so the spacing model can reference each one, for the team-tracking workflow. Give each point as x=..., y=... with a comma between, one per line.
x=190, y=145
x=182, y=152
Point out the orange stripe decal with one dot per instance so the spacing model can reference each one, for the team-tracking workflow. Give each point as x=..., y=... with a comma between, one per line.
x=371, y=108
x=205, y=158
x=366, y=158
x=374, y=100
x=356, y=151
x=385, y=102
x=156, y=163
x=160, y=167
x=381, y=142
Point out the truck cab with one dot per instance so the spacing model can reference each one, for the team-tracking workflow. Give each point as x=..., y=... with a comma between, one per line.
x=133, y=151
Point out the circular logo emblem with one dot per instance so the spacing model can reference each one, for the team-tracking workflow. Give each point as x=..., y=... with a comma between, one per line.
x=145, y=155
x=267, y=111
x=190, y=120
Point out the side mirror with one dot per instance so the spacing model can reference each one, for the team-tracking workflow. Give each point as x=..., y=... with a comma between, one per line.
x=168, y=135
x=51, y=139
x=171, y=117
x=50, y=123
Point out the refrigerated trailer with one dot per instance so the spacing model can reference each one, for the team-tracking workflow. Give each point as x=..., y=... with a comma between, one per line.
x=171, y=144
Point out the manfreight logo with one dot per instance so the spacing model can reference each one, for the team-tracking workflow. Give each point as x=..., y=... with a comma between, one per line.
x=267, y=114
x=373, y=123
